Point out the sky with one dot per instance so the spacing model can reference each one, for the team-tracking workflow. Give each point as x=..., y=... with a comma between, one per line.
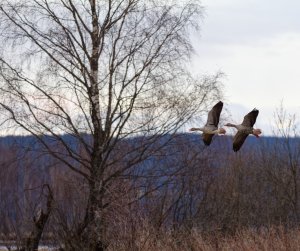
x=256, y=44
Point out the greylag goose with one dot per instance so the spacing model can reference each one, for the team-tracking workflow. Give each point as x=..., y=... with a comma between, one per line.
x=245, y=129
x=211, y=126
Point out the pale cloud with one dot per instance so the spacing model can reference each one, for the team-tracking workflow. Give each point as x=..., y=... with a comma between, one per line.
x=262, y=74
x=248, y=21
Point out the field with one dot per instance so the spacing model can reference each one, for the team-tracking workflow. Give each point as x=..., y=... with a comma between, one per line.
x=275, y=238
x=246, y=240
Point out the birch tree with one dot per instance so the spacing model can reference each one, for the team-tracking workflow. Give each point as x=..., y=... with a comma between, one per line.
x=103, y=72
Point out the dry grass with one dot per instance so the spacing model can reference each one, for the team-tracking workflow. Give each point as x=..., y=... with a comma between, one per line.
x=275, y=238
x=247, y=240
x=40, y=249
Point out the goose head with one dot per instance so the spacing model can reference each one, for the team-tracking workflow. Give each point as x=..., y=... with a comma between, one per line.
x=221, y=130
x=256, y=132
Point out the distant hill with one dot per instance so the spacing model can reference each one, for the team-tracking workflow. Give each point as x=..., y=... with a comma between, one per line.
x=224, y=142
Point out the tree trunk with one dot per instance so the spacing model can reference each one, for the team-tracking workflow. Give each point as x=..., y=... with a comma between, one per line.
x=95, y=230
x=91, y=230
x=33, y=240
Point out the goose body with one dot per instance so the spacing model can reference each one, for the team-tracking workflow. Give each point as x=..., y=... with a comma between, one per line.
x=245, y=129
x=211, y=126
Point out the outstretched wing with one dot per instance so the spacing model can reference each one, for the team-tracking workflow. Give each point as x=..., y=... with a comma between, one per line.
x=207, y=138
x=239, y=140
x=250, y=118
x=214, y=114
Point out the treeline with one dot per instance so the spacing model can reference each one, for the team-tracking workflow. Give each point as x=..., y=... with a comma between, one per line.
x=184, y=186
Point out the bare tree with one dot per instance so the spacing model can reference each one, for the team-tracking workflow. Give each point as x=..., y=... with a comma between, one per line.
x=282, y=166
x=102, y=72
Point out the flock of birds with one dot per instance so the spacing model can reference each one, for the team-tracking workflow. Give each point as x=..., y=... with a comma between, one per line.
x=243, y=130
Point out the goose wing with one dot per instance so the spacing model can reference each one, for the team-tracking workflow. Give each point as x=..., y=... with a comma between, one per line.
x=239, y=140
x=207, y=138
x=250, y=118
x=214, y=114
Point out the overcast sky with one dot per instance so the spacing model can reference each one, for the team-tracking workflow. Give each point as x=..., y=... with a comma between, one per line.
x=257, y=45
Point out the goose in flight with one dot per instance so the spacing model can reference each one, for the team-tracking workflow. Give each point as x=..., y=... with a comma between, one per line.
x=245, y=129
x=211, y=126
